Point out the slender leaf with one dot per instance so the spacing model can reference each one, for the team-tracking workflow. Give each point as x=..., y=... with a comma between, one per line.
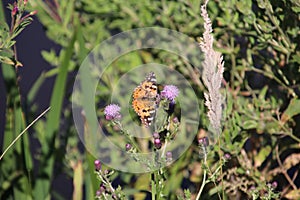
x=42, y=186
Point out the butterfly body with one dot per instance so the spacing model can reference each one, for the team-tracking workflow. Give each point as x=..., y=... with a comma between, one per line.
x=144, y=100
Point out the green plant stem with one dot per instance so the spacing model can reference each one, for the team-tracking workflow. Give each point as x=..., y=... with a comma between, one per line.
x=221, y=168
x=104, y=196
x=283, y=170
x=202, y=185
x=203, y=180
x=233, y=64
x=167, y=138
x=16, y=139
x=2, y=15
x=157, y=185
x=129, y=136
x=164, y=148
x=289, y=133
x=274, y=20
x=106, y=181
x=271, y=76
x=153, y=188
x=294, y=137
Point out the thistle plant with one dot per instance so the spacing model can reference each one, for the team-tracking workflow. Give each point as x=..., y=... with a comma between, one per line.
x=161, y=136
x=213, y=68
x=106, y=190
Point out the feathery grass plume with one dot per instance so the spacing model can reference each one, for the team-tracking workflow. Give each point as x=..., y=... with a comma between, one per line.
x=213, y=68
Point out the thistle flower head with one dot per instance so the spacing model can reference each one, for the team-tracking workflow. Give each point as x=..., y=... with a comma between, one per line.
x=274, y=185
x=227, y=156
x=97, y=164
x=203, y=141
x=128, y=146
x=157, y=143
x=170, y=92
x=175, y=120
x=98, y=193
x=112, y=111
x=155, y=135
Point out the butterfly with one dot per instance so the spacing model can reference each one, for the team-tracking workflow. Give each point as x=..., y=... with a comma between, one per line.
x=145, y=98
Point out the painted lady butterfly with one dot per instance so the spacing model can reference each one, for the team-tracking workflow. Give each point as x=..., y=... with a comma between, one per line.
x=144, y=100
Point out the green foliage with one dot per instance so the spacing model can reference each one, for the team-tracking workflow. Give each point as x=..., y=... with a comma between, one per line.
x=260, y=43
x=8, y=34
x=16, y=166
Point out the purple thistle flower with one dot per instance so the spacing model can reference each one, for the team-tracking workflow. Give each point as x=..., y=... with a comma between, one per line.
x=98, y=193
x=155, y=135
x=128, y=146
x=274, y=184
x=227, y=156
x=102, y=188
x=157, y=143
x=112, y=111
x=203, y=141
x=170, y=92
x=175, y=120
x=97, y=164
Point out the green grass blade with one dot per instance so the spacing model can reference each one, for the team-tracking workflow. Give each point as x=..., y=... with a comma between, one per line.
x=91, y=183
x=2, y=16
x=16, y=156
x=42, y=186
x=35, y=88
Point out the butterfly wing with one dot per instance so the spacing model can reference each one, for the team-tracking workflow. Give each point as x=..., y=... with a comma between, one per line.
x=144, y=99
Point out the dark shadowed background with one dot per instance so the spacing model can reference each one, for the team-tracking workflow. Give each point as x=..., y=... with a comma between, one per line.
x=29, y=44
